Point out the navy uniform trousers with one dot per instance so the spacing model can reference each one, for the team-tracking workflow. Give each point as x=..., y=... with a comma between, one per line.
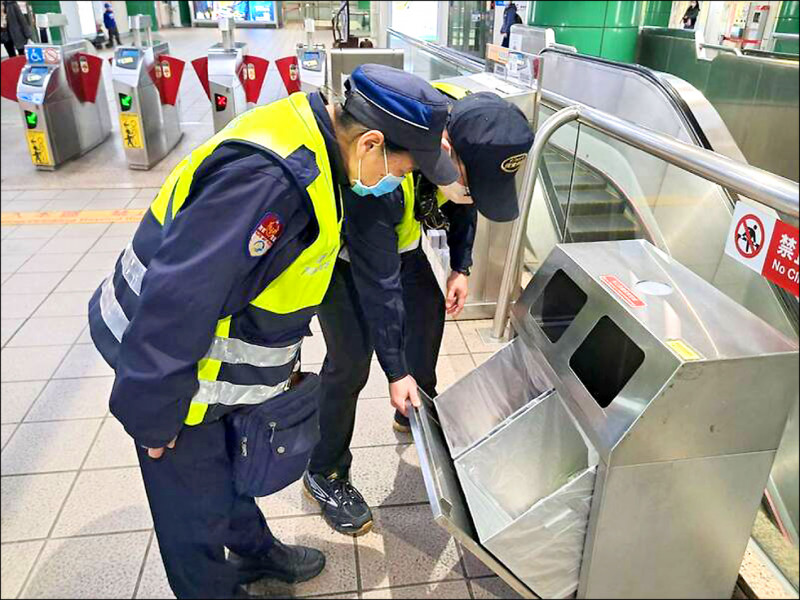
x=197, y=513
x=349, y=352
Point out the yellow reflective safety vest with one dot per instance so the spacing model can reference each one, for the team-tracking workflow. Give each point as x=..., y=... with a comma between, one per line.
x=302, y=285
x=409, y=230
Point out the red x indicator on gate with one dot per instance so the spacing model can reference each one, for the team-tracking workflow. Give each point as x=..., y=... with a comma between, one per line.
x=221, y=102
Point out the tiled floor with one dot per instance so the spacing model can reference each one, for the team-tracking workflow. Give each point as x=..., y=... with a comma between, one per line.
x=75, y=521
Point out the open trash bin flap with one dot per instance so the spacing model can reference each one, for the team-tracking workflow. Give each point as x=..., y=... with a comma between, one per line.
x=514, y=485
x=447, y=501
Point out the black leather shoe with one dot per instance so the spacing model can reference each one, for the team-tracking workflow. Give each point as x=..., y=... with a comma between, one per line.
x=289, y=564
x=401, y=424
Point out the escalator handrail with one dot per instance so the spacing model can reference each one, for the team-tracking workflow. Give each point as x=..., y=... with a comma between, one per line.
x=478, y=65
x=681, y=106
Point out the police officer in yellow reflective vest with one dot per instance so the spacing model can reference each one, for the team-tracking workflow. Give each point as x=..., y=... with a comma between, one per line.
x=204, y=314
x=384, y=294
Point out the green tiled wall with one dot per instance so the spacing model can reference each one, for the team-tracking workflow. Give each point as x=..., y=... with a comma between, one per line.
x=605, y=28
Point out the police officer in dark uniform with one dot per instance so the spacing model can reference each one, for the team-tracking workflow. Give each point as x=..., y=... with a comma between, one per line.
x=384, y=294
x=203, y=317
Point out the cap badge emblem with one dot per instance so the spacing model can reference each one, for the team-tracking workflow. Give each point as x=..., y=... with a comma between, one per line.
x=513, y=163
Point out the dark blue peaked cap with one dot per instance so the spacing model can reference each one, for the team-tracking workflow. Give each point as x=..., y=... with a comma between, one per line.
x=409, y=112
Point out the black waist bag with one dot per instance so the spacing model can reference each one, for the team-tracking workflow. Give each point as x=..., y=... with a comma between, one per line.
x=271, y=442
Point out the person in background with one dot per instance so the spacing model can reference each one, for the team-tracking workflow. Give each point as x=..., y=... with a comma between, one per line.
x=111, y=25
x=690, y=16
x=15, y=28
x=510, y=17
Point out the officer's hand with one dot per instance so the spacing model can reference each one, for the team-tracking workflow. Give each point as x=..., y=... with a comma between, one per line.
x=402, y=390
x=457, y=289
x=155, y=453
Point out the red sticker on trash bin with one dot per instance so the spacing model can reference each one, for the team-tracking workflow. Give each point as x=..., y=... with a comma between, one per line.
x=623, y=291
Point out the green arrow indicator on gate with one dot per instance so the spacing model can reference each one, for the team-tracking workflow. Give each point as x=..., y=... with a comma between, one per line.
x=31, y=118
x=125, y=101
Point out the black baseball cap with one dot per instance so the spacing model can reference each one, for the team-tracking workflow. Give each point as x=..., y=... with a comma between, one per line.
x=492, y=138
x=409, y=112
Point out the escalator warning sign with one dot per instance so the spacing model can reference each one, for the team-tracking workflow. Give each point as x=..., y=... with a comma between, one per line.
x=131, y=131
x=37, y=145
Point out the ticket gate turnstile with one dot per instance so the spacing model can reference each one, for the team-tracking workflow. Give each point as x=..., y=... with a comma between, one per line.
x=231, y=78
x=62, y=98
x=146, y=81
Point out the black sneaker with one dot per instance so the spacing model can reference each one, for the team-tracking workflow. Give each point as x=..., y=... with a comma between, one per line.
x=401, y=424
x=289, y=564
x=342, y=506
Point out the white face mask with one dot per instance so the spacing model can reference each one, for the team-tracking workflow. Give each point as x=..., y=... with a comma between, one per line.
x=456, y=192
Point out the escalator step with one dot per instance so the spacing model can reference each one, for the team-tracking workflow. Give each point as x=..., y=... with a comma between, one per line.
x=592, y=202
x=594, y=228
x=583, y=181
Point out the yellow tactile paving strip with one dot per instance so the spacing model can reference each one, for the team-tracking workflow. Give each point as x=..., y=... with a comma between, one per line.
x=58, y=217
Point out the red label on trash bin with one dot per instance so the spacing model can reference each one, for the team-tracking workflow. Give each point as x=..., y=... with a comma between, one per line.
x=623, y=291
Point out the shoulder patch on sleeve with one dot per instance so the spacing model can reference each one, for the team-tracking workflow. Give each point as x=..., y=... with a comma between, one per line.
x=265, y=235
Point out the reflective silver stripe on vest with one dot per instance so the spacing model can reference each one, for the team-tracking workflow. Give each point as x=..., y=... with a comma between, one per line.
x=230, y=394
x=132, y=269
x=228, y=350
x=235, y=351
x=110, y=308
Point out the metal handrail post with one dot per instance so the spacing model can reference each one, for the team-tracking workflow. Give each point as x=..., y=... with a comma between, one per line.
x=511, y=270
x=721, y=48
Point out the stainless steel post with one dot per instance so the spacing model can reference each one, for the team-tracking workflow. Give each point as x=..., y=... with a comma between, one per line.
x=226, y=26
x=139, y=23
x=511, y=272
x=537, y=97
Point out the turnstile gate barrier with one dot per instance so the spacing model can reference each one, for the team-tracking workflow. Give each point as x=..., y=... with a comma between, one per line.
x=620, y=446
x=231, y=78
x=146, y=81
x=61, y=98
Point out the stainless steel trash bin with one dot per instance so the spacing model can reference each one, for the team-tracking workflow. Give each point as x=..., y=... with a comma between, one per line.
x=621, y=444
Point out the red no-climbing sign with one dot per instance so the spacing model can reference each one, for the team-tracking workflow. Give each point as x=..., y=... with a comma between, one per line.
x=765, y=244
x=749, y=236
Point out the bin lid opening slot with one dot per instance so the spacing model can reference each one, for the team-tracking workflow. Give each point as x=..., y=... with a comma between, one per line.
x=557, y=305
x=605, y=361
